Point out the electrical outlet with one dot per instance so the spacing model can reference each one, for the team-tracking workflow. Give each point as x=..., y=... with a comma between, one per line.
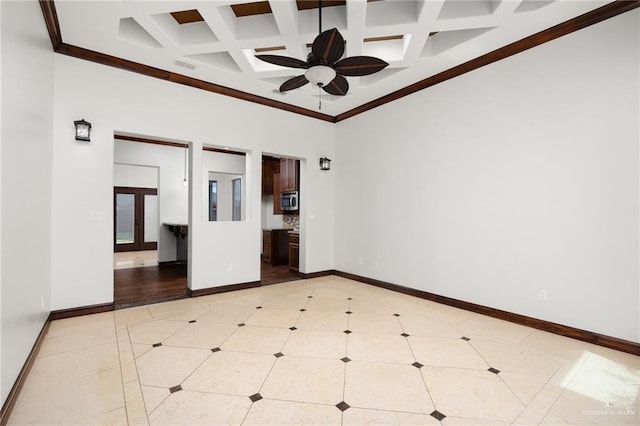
x=542, y=294
x=360, y=261
x=230, y=267
x=41, y=302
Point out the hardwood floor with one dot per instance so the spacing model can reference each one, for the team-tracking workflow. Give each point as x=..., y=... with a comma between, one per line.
x=276, y=274
x=152, y=284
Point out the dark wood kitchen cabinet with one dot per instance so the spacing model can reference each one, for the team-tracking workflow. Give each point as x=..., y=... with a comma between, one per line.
x=270, y=166
x=277, y=194
x=294, y=251
x=279, y=175
x=275, y=246
x=289, y=174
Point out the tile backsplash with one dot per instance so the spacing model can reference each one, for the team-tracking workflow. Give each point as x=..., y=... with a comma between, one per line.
x=292, y=220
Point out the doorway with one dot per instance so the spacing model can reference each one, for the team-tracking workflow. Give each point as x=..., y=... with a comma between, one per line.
x=280, y=224
x=146, y=269
x=135, y=219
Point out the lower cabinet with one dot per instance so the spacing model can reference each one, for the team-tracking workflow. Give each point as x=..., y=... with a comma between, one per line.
x=294, y=250
x=274, y=246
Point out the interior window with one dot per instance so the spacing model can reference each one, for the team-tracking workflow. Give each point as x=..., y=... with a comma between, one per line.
x=213, y=201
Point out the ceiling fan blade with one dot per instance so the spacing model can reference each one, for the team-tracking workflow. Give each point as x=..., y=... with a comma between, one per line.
x=356, y=66
x=294, y=83
x=338, y=86
x=284, y=61
x=328, y=47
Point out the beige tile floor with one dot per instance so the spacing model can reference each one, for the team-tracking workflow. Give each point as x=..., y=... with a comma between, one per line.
x=325, y=351
x=135, y=259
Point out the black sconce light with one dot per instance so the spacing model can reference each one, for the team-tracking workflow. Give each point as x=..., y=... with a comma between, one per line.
x=325, y=163
x=83, y=130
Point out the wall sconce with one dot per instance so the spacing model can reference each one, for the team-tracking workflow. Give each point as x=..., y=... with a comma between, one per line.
x=325, y=163
x=83, y=130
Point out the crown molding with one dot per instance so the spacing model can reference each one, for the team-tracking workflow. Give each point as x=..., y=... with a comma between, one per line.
x=580, y=22
x=590, y=18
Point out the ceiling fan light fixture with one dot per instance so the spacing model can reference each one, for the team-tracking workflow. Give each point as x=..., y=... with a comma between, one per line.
x=320, y=75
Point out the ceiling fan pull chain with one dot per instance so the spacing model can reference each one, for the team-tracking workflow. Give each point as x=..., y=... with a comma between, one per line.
x=319, y=98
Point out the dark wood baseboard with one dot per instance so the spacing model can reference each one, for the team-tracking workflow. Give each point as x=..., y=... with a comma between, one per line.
x=222, y=289
x=10, y=402
x=551, y=327
x=171, y=263
x=317, y=274
x=82, y=310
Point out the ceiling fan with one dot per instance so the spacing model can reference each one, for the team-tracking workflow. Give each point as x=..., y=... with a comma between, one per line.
x=324, y=67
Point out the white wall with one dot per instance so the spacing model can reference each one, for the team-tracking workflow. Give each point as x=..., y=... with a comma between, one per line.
x=519, y=176
x=270, y=220
x=116, y=100
x=27, y=113
x=172, y=195
x=3, y=396
x=135, y=176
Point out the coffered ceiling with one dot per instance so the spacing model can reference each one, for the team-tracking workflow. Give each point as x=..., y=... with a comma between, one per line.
x=212, y=44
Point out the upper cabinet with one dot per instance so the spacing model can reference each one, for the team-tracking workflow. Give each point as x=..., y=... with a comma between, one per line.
x=279, y=175
x=289, y=175
x=270, y=166
x=277, y=203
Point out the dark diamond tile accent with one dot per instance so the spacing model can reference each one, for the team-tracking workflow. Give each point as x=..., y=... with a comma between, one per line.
x=396, y=315
x=292, y=328
x=465, y=338
x=349, y=298
x=345, y=359
x=493, y=370
x=438, y=415
x=303, y=310
x=278, y=355
x=175, y=389
x=258, y=307
x=417, y=365
x=255, y=397
x=309, y=297
x=348, y=312
x=241, y=324
x=155, y=345
x=343, y=406
x=192, y=321
x=214, y=350
x=347, y=332
x=404, y=335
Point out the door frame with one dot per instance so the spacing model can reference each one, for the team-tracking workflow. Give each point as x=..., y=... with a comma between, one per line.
x=138, y=226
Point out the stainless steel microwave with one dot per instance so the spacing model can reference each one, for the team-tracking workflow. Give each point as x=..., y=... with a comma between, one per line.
x=289, y=201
